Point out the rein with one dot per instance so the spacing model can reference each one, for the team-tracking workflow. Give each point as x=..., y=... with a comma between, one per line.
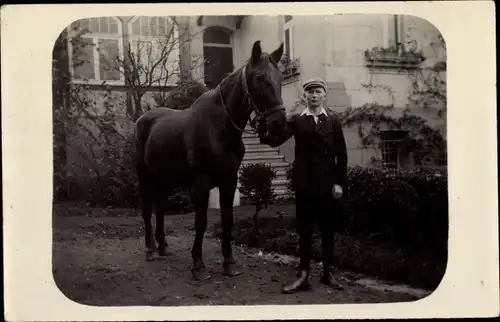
x=251, y=104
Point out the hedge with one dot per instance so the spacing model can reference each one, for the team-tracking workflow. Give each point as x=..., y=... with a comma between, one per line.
x=406, y=207
x=394, y=225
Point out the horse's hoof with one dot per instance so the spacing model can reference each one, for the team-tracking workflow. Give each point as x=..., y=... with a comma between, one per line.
x=231, y=270
x=201, y=274
x=150, y=256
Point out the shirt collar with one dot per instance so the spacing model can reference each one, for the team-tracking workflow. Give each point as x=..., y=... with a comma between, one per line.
x=307, y=111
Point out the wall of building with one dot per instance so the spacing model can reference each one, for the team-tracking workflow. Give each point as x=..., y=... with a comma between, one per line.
x=347, y=37
x=253, y=28
x=332, y=47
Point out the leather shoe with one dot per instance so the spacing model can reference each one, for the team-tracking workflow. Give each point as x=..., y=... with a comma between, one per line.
x=300, y=284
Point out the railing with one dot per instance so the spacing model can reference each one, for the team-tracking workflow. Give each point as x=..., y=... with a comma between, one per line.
x=393, y=57
x=290, y=67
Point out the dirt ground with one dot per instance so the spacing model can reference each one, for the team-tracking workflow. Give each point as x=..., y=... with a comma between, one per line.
x=99, y=259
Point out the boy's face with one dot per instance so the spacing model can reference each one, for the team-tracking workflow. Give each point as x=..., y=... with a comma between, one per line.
x=315, y=97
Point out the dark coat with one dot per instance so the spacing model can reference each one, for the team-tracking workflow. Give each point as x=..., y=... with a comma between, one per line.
x=320, y=153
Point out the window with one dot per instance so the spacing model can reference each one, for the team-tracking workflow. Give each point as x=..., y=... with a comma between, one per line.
x=108, y=64
x=391, y=147
x=216, y=37
x=151, y=26
x=154, y=46
x=288, y=36
x=395, y=30
x=83, y=59
x=95, y=57
x=218, y=54
x=102, y=25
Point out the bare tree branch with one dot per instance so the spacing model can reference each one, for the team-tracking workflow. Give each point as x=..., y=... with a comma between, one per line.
x=152, y=62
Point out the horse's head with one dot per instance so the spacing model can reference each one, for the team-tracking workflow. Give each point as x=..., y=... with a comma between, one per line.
x=264, y=81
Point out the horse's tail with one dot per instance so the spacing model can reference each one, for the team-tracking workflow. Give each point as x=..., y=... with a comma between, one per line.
x=141, y=133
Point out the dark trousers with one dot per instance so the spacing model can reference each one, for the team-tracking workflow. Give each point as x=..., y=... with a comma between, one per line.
x=316, y=209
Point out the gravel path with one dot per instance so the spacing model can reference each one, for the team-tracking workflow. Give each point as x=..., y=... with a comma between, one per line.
x=99, y=259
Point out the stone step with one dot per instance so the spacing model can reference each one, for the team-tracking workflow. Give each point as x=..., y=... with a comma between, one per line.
x=281, y=193
x=255, y=152
x=276, y=164
x=251, y=141
x=264, y=152
x=281, y=172
x=264, y=159
x=279, y=182
x=264, y=155
x=248, y=135
x=260, y=148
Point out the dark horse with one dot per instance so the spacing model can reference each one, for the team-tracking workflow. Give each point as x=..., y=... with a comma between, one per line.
x=201, y=147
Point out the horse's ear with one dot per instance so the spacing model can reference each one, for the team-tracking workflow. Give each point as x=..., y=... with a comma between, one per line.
x=277, y=54
x=256, y=53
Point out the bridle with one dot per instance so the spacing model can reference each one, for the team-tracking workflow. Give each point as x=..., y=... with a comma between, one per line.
x=251, y=104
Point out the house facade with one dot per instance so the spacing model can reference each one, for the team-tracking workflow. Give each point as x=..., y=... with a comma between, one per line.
x=337, y=48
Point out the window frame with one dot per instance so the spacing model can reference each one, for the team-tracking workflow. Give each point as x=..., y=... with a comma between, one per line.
x=394, y=30
x=135, y=18
x=95, y=37
x=288, y=25
x=394, y=137
x=219, y=45
x=151, y=39
x=214, y=44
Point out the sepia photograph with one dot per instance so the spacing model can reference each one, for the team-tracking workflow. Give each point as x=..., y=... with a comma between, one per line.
x=249, y=159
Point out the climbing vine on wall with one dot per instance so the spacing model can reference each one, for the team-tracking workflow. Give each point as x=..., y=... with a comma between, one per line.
x=427, y=143
x=427, y=91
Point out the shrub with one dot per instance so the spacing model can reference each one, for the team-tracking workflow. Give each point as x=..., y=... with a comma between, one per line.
x=103, y=173
x=432, y=210
x=395, y=226
x=397, y=206
x=180, y=201
x=121, y=186
x=183, y=96
x=256, y=185
x=409, y=208
x=111, y=179
x=353, y=253
x=289, y=186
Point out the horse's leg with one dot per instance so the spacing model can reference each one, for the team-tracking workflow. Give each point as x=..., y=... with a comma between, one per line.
x=160, y=229
x=226, y=204
x=201, y=192
x=147, y=212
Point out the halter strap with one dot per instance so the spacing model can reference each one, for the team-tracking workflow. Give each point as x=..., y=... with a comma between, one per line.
x=251, y=104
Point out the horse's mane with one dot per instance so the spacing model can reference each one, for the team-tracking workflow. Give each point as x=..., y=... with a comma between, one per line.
x=214, y=92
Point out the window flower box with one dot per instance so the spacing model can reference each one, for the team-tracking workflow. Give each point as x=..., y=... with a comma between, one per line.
x=396, y=57
x=289, y=67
